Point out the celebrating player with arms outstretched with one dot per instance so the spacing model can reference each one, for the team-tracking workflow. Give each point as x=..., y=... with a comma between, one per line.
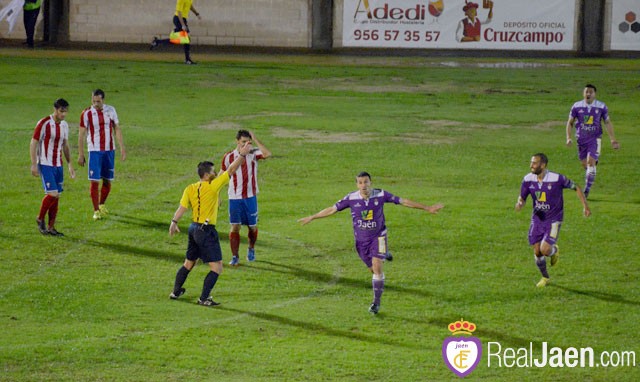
x=369, y=227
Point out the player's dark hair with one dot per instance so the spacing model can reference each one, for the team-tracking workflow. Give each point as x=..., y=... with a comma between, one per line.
x=61, y=103
x=243, y=133
x=99, y=92
x=543, y=158
x=204, y=168
x=591, y=86
x=363, y=174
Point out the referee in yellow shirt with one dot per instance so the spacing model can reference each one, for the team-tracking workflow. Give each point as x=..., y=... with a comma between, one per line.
x=202, y=198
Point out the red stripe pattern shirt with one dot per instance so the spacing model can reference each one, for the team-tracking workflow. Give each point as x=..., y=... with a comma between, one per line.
x=51, y=136
x=100, y=125
x=244, y=182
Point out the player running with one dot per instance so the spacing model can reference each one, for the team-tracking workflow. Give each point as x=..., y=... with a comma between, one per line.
x=546, y=188
x=588, y=115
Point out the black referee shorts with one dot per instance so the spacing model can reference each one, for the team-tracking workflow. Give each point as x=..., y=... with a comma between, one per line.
x=204, y=243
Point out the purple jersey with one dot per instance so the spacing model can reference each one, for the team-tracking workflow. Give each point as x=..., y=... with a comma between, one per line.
x=367, y=214
x=589, y=120
x=546, y=195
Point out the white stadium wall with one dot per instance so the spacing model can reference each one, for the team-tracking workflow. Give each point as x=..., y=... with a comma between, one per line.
x=590, y=26
x=261, y=23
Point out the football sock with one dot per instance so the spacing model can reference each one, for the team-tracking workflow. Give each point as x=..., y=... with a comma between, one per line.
x=104, y=192
x=181, y=277
x=541, y=262
x=47, y=201
x=253, y=236
x=95, y=195
x=234, y=242
x=378, y=287
x=554, y=249
x=209, y=283
x=590, y=177
x=53, y=212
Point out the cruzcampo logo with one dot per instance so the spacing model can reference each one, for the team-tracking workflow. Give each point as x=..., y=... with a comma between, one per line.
x=461, y=354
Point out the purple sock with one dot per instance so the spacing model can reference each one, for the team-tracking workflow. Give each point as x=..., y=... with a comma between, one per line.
x=541, y=262
x=590, y=177
x=378, y=288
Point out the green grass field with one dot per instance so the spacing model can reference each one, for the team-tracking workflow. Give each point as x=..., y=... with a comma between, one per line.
x=93, y=305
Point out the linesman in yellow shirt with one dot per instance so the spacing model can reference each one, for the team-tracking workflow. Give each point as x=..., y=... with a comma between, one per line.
x=180, y=24
x=202, y=198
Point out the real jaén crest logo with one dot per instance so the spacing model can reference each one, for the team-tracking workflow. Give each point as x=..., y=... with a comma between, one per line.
x=461, y=354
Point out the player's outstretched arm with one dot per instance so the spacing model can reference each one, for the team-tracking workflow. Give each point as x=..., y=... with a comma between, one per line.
x=430, y=209
x=585, y=207
x=520, y=203
x=322, y=214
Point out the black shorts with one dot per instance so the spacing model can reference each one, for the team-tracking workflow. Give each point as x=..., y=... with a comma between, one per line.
x=203, y=243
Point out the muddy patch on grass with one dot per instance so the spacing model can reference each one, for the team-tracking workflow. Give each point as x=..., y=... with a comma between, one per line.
x=320, y=136
x=234, y=122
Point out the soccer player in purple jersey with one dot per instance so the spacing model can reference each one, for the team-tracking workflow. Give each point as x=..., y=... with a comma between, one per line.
x=546, y=188
x=588, y=115
x=369, y=228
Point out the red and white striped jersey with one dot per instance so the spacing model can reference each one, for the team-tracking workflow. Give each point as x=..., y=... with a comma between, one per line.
x=50, y=136
x=100, y=125
x=244, y=182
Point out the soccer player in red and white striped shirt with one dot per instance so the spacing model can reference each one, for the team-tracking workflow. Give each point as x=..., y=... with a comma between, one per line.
x=99, y=125
x=49, y=141
x=243, y=191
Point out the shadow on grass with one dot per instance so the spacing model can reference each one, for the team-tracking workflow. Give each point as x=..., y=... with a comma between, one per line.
x=131, y=250
x=318, y=328
x=144, y=223
x=331, y=279
x=609, y=297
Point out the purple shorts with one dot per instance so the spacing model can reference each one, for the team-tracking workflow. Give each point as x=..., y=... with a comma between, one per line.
x=540, y=231
x=591, y=148
x=376, y=247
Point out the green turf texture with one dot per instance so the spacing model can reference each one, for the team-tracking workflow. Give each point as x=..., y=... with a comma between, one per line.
x=94, y=305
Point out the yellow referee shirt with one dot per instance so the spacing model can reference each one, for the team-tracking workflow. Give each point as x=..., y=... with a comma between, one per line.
x=183, y=6
x=202, y=198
